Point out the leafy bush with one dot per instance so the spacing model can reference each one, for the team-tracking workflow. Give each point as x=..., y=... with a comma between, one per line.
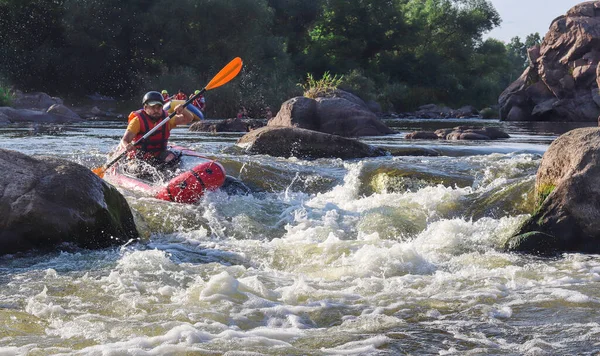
x=402, y=97
x=5, y=96
x=488, y=113
x=326, y=84
x=358, y=84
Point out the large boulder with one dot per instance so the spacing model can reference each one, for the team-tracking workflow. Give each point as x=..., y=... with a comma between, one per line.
x=4, y=120
x=58, y=114
x=63, y=112
x=301, y=143
x=36, y=100
x=300, y=112
x=560, y=83
x=337, y=113
x=567, y=193
x=46, y=202
x=338, y=116
x=342, y=94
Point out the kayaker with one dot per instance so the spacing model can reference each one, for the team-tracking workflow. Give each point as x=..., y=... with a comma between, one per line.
x=180, y=95
x=199, y=101
x=153, y=150
x=242, y=113
x=165, y=95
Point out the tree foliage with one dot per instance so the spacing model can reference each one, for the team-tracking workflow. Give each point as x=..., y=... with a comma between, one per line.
x=402, y=53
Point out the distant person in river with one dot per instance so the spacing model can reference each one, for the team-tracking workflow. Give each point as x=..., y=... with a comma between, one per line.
x=153, y=150
x=199, y=102
x=242, y=113
x=180, y=95
x=165, y=95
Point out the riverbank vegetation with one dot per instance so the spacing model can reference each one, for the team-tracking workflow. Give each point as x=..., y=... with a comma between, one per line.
x=400, y=53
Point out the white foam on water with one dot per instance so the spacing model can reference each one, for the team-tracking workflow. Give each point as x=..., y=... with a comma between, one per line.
x=149, y=261
x=361, y=347
x=221, y=286
x=369, y=323
x=42, y=307
x=294, y=273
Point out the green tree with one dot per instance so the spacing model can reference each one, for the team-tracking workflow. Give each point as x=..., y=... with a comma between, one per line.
x=403, y=53
x=32, y=34
x=447, y=36
x=104, y=50
x=516, y=52
x=351, y=35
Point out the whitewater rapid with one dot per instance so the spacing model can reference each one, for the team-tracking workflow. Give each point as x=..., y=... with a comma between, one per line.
x=338, y=258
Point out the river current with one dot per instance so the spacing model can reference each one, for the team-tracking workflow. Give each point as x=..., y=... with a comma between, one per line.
x=397, y=255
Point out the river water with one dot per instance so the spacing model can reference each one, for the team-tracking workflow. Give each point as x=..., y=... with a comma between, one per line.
x=379, y=256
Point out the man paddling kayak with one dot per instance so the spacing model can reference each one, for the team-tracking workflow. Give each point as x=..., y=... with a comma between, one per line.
x=153, y=150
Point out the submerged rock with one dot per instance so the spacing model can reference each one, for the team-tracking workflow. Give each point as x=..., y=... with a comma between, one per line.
x=301, y=143
x=567, y=191
x=434, y=111
x=47, y=202
x=460, y=133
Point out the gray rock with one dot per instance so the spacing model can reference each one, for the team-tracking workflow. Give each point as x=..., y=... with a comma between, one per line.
x=338, y=93
x=37, y=100
x=298, y=112
x=63, y=112
x=561, y=72
x=567, y=198
x=422, y=135
x=374, y=106
x=47, y=202
x=461, y=133
x=302, y=143
x=26, y=115
x=4, y=120
x=339, y=114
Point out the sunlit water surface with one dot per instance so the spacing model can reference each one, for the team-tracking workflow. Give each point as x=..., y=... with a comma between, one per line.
x=379, y=256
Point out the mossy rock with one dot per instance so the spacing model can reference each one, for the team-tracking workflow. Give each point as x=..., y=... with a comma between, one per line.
x=535, y=242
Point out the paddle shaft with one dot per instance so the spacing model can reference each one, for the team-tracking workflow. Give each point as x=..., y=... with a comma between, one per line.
x=149, y=133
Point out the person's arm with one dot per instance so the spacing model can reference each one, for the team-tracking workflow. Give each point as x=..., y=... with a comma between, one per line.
x=132, y=130
x=183, y=116
x=127, y=141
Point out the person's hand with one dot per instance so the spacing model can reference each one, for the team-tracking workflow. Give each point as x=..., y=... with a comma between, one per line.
x=179, y=109
x=128, y=147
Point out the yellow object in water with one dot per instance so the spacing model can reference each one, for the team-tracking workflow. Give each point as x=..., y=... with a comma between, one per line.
x=171, y=105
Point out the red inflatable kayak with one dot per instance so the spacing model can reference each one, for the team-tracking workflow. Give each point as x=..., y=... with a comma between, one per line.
x=188, y=187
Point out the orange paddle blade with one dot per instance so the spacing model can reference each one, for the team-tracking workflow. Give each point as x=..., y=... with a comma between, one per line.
x=99, y=171
x=226, y=74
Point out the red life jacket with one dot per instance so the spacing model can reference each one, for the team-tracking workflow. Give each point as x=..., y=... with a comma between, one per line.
x=166, y=98
x=180, y=96
x=198, y=102
x=157, y=142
